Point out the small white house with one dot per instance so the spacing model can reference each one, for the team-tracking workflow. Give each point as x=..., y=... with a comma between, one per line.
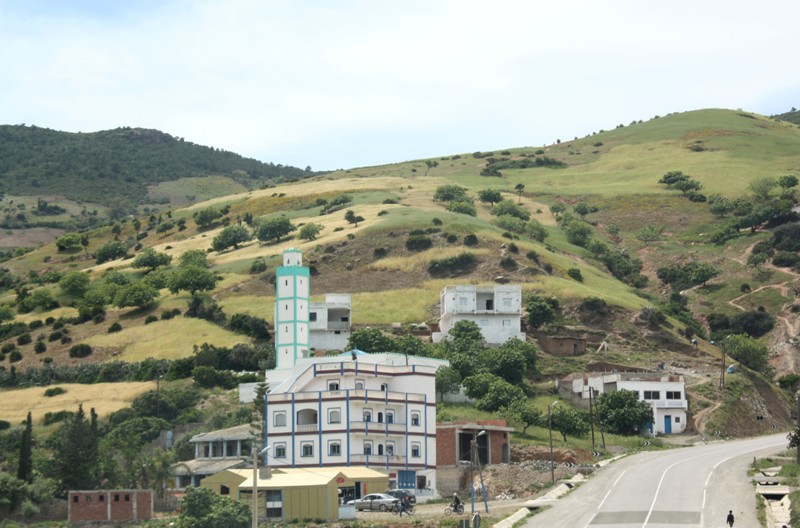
x=329, y=322
x=497, y=310
x=666, y=393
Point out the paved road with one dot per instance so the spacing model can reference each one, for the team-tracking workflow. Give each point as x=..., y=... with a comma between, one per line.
x=686, y=488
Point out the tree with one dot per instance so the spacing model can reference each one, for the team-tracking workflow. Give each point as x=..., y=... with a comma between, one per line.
x=538, y=312
x=597, y=248
x=352, y=217
x=688, y=186
x=25, y=464
x=673, y=177
x=577, y=232
x=152, y=259
x=722, y=206
x=310, y=231
x=622, y=412
x=762, y=187
x=520, y=188
x=568, y=421
x=448, y=380
x=230, y=236
x=501, y=394
x=526, y=413
x=116, y=230
x=85, y=244
x=430, y=164
x=194, y=257
x=68, y=242
x=649, y=233
x=461, y=207
x=6, y=313
x=370, y=340
x=749, y=351
x=451, y=193
x=756, y=260
x=74, y=282
x=165, y=227
x=509, y=208
x=192, y=278
x=581, y=209
x=528, y=351
x=206, y=217
x=787, y=182
x=138, y=294
x=509, y=363
x=702, y=273
x=75, y=449
x=535, y=230
x=490, y=196
x=274, y=229
x=111, y=250
x=202, y=508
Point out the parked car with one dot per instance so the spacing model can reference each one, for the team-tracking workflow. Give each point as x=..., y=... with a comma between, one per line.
x=374, y=502
x=401, y=494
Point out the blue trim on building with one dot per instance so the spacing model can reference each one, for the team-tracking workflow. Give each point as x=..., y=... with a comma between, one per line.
x=347, y=406
x=319, y=426
x=425, y=402
x=294, y=445
x=407, y=425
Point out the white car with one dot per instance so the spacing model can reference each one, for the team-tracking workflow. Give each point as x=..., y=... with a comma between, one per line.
x=374, y=502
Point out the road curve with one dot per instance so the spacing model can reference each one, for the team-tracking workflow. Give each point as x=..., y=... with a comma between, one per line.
x=679, y=488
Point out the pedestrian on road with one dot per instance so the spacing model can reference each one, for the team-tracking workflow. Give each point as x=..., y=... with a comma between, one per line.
x=729, y=520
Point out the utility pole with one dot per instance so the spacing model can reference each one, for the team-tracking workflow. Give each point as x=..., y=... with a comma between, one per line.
x=797, y=399
x=722, y=371
x=591, y=412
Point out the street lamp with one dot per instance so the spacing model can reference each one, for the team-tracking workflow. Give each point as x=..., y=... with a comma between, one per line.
x=256, y=454
x=550, y=430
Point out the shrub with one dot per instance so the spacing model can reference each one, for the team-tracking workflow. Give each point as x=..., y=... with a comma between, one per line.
x=575, y=273
x=379, y=252
x=451, y=238
x=54, y=391
x=258, y=266
x=80, y=350
x=65, y=340
x=383, y=212
x=461, y=263
x=471, y=240
x=437, y=222
x=512, y=247
x=8, y=347
x=785, y=259
x=462, y=207
x=55, y=417
x=508, y=263
x=24, y=339
x=150, y=319
x=116, y=327
x=547, y=267
x=36, y=323
x=39, y=347
x=4, y=425
x=418, y=243
x=532, y=256
x=594, y=304
x=55, y=336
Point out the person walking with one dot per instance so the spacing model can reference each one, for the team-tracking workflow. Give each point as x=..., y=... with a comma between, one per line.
x=729, y=520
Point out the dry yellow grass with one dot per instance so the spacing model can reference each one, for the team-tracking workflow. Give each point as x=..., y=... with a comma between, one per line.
x=106, y=398
x=165, y=339
x=420, y=260
x=262, y=306
x=65, y=312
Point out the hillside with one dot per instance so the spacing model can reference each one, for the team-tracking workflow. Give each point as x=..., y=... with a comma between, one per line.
x=602, y=226
x=119, y=168
x=793, y=116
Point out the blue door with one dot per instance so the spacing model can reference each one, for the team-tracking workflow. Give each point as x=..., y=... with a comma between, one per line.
x=668, y=424
x=406, y=479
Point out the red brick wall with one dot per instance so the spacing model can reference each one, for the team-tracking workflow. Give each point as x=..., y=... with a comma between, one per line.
x=496, y=441
x=446, y=447
x=95, y=505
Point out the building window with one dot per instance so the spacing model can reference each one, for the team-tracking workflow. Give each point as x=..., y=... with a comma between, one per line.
x=507, y=302
x=389, y=417
x=116, y=497
x=384, y=387
x=312, y=316
x=359, y=384
x=389, y=449
x=415, y=450
x=506, y=322
x=677, y=419
x=380, y=417
x=280, y=451
x=307, y=449
x=652, y=395
x=415, y=419
x=484, y=322
x=673, y=395
x=127, y=498
x=334, y=416
x=333, y=385
x=345, y=319
x=334, y=448
x=367, y=448
x=279, y=418
x=274, y=504
x=102, y=498
x=367, y=416
x=224, y=490
x=74, y=498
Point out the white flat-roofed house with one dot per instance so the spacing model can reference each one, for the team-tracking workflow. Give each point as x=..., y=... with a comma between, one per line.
x=358, y=409
x=666, y=394
x=497, y=310
x=329, y=322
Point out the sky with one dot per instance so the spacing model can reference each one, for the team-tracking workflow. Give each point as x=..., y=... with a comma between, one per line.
x=349, y=83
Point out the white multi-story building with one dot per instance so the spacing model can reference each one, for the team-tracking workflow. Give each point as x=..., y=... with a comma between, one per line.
x=358, y=409
x=666, y=394
x=497, y=310
x=329, y=322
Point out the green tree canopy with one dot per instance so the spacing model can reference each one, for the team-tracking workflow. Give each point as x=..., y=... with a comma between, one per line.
x=622, y=412
x=68, y=242
x=230, y=236
x=202, y=508
x=568, y=421
x=206, y=217
x=150, y=258
x=538, y=311
x=490, y=196
x=111, y=250
x=74, y=282
x=274, y=229
x=370, y=340
x=451, y=193
x=352, y=217
x=750, y=352
x=448, y=380
x=310, y=231
x=526, y=413
x=508, y=207
x=138, y=294
x=192, y=278
x=194, y=257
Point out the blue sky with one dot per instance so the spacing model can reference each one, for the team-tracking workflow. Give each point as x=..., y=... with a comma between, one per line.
x=356, y=83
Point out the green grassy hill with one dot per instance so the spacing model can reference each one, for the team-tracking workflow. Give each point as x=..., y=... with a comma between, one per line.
x=614, y=173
